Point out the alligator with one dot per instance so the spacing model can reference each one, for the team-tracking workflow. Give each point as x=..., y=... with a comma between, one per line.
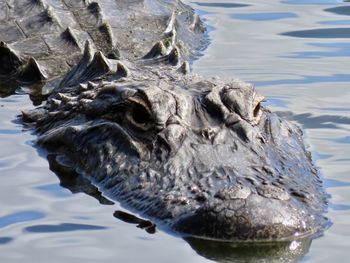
x=199, y=156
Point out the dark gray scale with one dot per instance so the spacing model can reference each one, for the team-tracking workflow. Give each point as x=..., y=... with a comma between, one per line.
x=32, y=47
x=26, y=8
x=40, y=24
x=75, y=4
x=10, y=61
x=3, y=11
x=70, y=41
x=12, y=66
x=48, y=34
x=10, y=32
x=92, y=21
x=31, y=71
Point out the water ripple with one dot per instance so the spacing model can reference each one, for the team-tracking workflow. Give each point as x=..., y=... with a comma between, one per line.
x=5, y=240
x=335, y=22
x=339, y=10
x=339, y=207
x=54, y=190
x=223, y=5
x=330, y=183
x=20, y=217
x=315, y=122
x=321, y=156
x=345, y=139
x=334, y=109
x=276, y=102
x=65, y=227
x=264, y=16
x=10, y=131
x=311, y=2
x=337, y=50
x=305, y=80
x=12, y=161
x=338, y=32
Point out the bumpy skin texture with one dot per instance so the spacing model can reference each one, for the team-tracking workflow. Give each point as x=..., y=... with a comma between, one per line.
x=201, y=156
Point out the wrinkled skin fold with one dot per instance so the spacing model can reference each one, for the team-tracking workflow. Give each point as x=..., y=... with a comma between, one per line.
x=200, y=156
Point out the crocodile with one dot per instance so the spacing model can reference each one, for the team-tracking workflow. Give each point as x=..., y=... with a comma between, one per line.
x=199, y=156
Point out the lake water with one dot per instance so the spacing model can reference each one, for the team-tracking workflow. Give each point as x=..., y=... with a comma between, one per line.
x=296, y=52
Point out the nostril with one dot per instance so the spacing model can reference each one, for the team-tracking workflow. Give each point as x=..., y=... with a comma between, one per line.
x=256, y=110
x=169, y=141
x=257, y=107
x=162, y=149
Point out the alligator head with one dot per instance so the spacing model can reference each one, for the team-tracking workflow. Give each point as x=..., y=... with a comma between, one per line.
x=201, y=156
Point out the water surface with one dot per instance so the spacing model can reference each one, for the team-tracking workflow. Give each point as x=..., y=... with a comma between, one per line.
x=296, y=52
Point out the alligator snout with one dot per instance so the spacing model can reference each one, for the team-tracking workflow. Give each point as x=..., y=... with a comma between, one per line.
x=245, y=215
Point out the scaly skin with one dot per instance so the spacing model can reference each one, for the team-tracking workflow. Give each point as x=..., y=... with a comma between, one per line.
x=200, y=156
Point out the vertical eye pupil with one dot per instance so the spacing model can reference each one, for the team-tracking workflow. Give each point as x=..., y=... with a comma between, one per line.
x=140, y=114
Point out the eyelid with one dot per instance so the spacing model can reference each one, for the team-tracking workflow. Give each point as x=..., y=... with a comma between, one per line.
x=138, y=101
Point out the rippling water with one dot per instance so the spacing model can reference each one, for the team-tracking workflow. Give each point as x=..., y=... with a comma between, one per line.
x=296, y=52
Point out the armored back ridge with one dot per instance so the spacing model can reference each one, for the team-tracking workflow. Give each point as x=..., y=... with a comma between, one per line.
x=42, y=40
x=200, y=156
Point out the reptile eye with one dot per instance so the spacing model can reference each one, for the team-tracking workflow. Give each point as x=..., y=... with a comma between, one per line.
x=139, y=116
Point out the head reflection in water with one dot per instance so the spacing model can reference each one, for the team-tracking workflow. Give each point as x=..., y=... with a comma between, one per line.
x=287, y=251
